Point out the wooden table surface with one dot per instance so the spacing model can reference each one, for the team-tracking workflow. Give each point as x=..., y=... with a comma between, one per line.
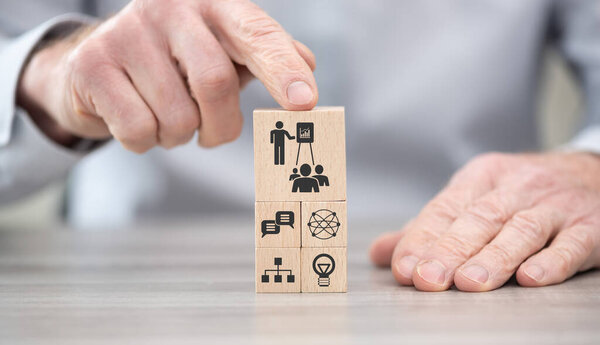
x=193, y=283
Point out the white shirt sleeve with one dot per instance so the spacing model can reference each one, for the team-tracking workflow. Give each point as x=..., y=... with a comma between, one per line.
x=588, y=139
x=578, y=33
x=28, y=159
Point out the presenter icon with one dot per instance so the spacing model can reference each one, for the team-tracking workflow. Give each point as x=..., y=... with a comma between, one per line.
x=277, y=138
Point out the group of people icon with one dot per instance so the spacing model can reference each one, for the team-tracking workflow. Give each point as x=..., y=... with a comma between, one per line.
x=304, y=183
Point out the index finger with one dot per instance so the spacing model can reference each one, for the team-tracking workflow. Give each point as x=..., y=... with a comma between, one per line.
x=254, y=39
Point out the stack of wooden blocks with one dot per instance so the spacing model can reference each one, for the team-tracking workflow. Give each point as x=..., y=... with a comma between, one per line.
x=301, y=218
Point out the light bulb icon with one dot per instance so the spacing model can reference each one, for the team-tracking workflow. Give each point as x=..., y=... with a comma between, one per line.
x=323, y=265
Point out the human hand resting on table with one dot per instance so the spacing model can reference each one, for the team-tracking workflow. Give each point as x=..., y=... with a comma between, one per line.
x=534, y=214
x=161, y=69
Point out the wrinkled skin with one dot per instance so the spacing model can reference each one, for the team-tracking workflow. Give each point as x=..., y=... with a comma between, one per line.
x=160, y=70
x=536, y=215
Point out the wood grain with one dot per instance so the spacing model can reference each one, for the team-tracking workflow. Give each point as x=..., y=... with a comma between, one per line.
x=273, y=182
x=288, y=236
x=324, y=224
x=192, y=282
x=324, y=270
x=278, y=266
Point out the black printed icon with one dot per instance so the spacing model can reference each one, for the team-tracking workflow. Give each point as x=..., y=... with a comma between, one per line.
x=301, y=177
x=294, y=174
x=323, y=265
x=323, y=224
x=277, y=138
x=273, y=227
x=323, y=180
x=277, y=278
x=305, y=133
x=305, y=183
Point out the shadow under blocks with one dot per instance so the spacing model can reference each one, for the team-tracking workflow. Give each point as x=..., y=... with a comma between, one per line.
x=301, y=222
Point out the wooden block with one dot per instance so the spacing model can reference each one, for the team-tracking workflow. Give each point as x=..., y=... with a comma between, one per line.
x=324, y=224
x=324, y=270
x=277, y=224
x=278, y=270
x=300, y=155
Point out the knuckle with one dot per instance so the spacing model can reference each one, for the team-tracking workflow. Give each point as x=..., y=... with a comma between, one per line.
x=562, y=260
x=222, y=134
x=87, y=61
x=574, y=249
x=580, y=244
x=423, y=235
x=576, y=198
x=138, y=133
x=178, y=128
x=214, y=82
x=454, y=246
x=170, y=140
x=501, y=256
x=537, y=178
x=232, y=131
x=442, y=207
x=487, y=214
x=531, y=228
x=257, y=28
x=483, y=167
x=180, y=122
x=284, y=60
x=267, y=38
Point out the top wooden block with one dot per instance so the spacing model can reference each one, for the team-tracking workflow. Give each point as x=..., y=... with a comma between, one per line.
x=300, y=155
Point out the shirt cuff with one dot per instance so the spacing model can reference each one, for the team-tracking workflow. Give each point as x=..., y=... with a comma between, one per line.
x=31, y=160
x=13, y=58
x=587, y=140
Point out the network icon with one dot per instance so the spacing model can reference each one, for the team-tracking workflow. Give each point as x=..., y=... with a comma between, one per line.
x=277, y=277
x=323, y=224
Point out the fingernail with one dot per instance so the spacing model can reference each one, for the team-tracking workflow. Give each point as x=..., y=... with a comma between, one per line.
x=432, y=271
x=406, y=266
x=476, y=273
x=299, y=93
x=535, y=272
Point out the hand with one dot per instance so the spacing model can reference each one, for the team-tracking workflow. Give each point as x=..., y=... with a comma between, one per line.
x=534, y=214
x=161, y=69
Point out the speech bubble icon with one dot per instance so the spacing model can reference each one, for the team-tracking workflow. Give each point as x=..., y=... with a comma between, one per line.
x=285, y=218
x=269, y=227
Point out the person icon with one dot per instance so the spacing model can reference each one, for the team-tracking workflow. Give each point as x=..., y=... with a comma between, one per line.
x=278, y=140
x=323, y=180
x=305, y=184
x=294, y=174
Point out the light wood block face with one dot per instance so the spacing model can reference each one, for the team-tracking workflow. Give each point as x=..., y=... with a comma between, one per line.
x=324, y=270
x=300, y=155
x=324, y=224
x=301, y=230
x=278, y=270
x=277, y=224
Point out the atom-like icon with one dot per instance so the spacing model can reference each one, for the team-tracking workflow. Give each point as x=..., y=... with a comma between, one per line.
x=323, y=224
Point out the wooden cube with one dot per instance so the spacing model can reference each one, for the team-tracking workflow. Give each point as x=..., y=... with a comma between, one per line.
x=324, y=224
x=278, y=269
x=277, y=224
x=324, y=270
x=300, y=155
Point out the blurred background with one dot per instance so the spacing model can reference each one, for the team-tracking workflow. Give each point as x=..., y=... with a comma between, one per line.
x=392, y=96
x=558, y=116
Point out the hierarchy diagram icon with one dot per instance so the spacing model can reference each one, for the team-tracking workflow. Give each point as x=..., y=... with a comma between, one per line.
x=301, y=225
